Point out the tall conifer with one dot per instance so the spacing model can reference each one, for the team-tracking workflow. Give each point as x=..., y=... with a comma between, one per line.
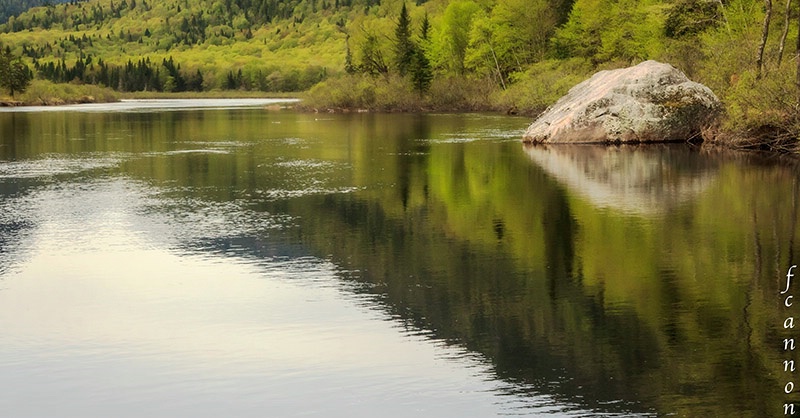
x=403, y=47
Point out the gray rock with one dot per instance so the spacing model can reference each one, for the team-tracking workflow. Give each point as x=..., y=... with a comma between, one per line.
x=649, y=102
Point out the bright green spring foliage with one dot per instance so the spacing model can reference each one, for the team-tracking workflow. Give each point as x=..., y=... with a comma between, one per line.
x=10, y=8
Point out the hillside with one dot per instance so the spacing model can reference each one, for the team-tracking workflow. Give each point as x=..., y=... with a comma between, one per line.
x=10, y=8
x=437, y=54
x=139, y=45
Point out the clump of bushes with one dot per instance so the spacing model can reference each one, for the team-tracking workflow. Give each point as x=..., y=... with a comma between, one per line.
x=532, y=91
x=43, y=92
x=392, y=93
x=528, y=93
x=761, y=113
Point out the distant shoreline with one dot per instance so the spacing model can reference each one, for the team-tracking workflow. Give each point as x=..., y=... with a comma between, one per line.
x=47, y=93
x=159, y=105
x=52, y=102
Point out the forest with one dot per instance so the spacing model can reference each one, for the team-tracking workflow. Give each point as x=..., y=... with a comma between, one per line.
x=517, y=56
x=10, y=8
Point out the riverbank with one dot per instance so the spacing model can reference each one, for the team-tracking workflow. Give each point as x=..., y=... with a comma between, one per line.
x=774, y=131
x=46, y=93
x=391, y=93
x=755, y=115
x=214, y=94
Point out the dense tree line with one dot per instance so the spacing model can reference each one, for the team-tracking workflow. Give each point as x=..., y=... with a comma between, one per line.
x=194, y=19
x=142, y=75
x=410, y=59
x=10, y=8
x=167, y=76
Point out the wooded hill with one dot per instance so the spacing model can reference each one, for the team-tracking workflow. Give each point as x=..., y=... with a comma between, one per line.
x=10, y=8
x=392, y=54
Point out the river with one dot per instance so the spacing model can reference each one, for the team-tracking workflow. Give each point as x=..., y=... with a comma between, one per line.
x=232, y=258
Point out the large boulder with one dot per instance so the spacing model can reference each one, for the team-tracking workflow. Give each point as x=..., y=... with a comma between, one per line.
x=649, y=102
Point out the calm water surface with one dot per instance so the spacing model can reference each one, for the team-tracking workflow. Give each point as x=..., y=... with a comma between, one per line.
x=216, y=259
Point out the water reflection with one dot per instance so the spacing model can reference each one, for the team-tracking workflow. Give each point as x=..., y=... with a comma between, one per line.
x=587, y=295
x=347, y=263
x=643, y=180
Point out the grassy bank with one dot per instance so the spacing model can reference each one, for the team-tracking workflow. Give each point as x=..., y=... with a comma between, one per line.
x=214, y=94
x=760, y=113
x=46, y=93
x=530, y=94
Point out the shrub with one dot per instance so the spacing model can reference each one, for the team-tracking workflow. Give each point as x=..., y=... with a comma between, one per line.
x=534, y=90
x=763, y=113
x=43, y=92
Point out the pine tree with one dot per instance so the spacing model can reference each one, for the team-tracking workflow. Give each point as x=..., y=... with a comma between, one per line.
x=421, y=72
x=403, y=47
x=15, y=76
x=425, y=28
x=348, y=57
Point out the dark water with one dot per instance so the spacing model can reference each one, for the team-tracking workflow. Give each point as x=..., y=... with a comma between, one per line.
x=253, y=262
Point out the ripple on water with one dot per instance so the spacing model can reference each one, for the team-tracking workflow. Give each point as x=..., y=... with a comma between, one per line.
x=197, y=151
x=202, y=219
x=282, y=194
x=307, y=164
x=50, y=166
x=477, y=135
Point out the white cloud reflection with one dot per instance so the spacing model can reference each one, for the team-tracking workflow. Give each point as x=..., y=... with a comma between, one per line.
x=102, y=315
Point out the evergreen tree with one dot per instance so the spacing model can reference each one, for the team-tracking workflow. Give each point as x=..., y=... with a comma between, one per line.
x=403, y=47
x=15, y=76
x=348, y=57
x=195, y=83
x=425, y=28
x=421, y=72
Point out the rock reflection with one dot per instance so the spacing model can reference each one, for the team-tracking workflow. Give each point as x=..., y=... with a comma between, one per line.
x=641, y=180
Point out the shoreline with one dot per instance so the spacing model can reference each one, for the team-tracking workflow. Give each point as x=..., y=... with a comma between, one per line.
x=52, y=101
x=759, y=141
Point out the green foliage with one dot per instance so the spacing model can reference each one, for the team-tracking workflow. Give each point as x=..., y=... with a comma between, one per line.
x=690, y=17
x=372, y=60
x=421, y=72
x=43, y=92
x=604, y=31
x=270, y=34
x=542, y=84
x=395, y=93
x=9, y=8
x=506, y=40
x=15, y=76
x=453, y=36
x=404, y=48
x=362, y=91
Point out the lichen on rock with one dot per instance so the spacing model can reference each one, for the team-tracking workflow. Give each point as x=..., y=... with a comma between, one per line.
x=649, y=102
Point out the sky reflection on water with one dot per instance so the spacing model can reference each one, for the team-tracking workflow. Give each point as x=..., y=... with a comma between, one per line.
x=105, y=312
